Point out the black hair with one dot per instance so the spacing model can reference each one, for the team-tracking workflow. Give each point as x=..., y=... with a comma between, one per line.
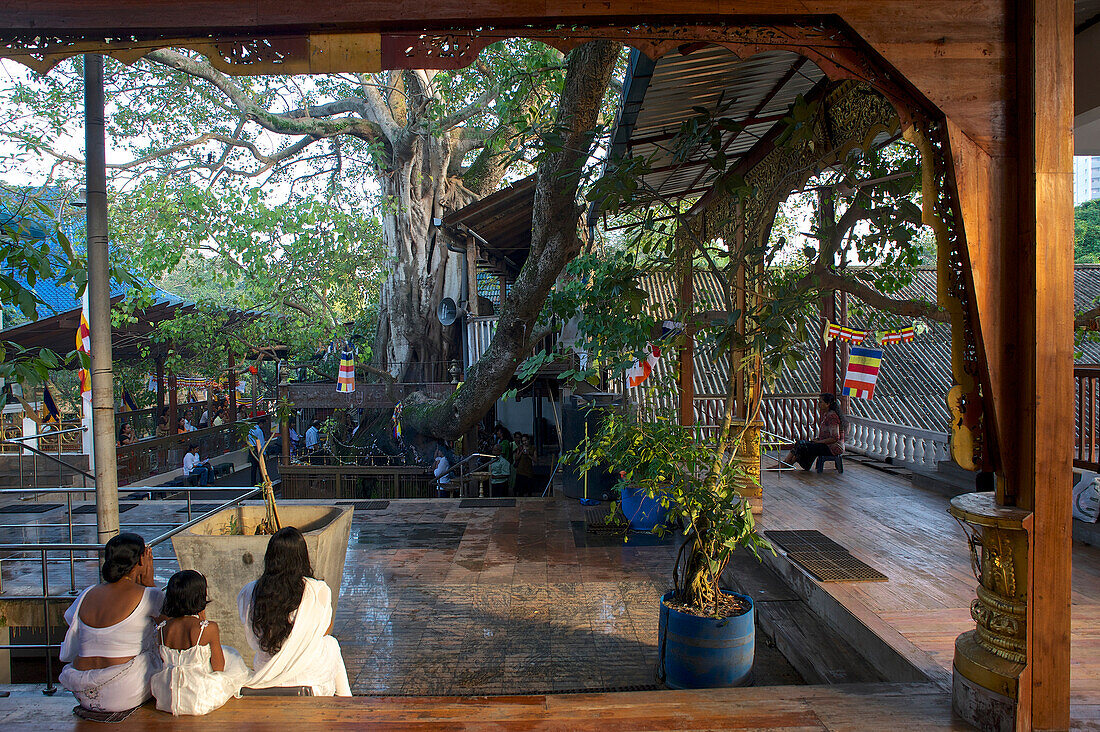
x=193, y=447
x=833, y=405
x=121, y=554
x=278, y=591
x=185, y=594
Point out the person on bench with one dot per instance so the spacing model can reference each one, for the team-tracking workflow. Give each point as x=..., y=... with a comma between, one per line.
x=832, y=428
x=110, y=648
x=201, y=469
x=287, y=616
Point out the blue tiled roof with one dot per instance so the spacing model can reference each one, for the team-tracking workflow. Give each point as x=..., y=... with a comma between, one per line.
x=18, y=210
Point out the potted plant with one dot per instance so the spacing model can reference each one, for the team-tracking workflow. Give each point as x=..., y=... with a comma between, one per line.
x=706, y=633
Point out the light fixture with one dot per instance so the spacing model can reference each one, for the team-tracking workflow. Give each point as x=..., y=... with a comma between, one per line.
x=79, y=198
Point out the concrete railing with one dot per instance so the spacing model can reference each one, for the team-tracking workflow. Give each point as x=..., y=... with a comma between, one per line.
x=922, y=449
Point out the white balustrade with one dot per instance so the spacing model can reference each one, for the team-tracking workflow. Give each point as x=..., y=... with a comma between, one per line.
x=479, y=334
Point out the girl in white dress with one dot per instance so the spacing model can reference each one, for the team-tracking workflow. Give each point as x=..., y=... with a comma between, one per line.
x=199, y=674
x=109, y=648
x=287, y=616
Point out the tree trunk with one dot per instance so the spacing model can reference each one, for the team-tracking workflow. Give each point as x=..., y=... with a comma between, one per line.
x=555, y=240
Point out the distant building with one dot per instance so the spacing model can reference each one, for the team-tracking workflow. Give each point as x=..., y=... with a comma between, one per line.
x=1086, y=179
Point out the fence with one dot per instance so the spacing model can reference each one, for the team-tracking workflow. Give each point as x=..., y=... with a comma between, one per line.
x=147, y=458
x=1086, y=452
x=794, y=416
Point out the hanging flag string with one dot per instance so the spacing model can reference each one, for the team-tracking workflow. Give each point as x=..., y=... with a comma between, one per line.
x=857, y=337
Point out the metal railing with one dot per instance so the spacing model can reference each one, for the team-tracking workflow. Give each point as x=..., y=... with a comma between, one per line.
x=43, y=550
x=19, y=444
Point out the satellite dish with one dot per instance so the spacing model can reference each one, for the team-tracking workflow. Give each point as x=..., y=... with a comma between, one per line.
x=447, y=311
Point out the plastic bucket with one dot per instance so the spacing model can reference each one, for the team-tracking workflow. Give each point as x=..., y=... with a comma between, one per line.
x=704, y=653
x=643, y=513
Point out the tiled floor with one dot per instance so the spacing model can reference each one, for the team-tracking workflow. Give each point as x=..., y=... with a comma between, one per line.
x=440, y=599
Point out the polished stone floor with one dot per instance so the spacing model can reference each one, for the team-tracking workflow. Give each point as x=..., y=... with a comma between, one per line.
x=438, y=598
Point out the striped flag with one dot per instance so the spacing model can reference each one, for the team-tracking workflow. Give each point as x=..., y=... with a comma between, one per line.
x=84, y=353
x=844, y=333
x=128, y=403
x=863, y=366
x=897, y=336
x=641, y=370
x=345, y=381
x=53, y=414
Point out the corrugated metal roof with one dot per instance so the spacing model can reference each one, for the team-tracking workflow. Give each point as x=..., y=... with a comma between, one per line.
x=659, y=97
x=913, y=379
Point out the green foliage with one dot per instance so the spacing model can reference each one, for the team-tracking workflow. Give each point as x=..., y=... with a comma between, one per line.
x=1086, y=232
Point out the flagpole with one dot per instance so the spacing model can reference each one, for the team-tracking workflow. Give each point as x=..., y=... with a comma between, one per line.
x=99, y=302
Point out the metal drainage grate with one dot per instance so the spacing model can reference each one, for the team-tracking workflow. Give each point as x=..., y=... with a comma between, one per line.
x=29, y=507
x=90, y=508
x=366, y=505
x=595, y=522
x=487, y=503
x=836, y=567
x=804, y=540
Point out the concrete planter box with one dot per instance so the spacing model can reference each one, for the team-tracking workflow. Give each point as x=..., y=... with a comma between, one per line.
x=230, y=562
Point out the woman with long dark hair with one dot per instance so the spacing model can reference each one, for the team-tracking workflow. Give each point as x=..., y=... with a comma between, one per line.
x=287, y=615
x=831, y=430
x=110, y=648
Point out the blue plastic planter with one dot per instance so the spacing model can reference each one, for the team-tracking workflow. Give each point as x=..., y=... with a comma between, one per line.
x=704, y=653
x=643, y=513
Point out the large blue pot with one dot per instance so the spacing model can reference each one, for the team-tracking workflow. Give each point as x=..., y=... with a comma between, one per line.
x=643, y=513
x=704, y=653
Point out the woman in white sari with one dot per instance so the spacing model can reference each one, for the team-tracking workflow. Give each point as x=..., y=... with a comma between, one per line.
x=110, y=646
x=287, y=615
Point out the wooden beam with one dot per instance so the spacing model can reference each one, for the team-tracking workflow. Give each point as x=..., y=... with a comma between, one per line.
x=1044, y=249
x=687, y=351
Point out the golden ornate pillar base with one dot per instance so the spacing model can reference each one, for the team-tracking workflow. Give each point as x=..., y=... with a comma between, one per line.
x=748, y=457
x=990, y=659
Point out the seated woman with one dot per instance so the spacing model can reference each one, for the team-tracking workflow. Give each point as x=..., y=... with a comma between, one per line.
x=110, y=646
x=832, y=428
x=287, y=616
x=199, y=673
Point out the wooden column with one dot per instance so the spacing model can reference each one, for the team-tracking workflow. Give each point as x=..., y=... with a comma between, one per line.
x=232, y=388
x=1043, y=253
x=173, y=404
x=471, y=276
x=284, y=423
x=159, y=360
x=687, y=351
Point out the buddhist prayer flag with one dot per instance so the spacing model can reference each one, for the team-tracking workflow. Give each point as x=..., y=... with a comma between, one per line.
x=897, y=336
x=84, y=353
x=863, y=366
x=641, y=370
x=345, y=381
x=397, y=422
x=128, y=404
x=53, y=414
x=844, y=333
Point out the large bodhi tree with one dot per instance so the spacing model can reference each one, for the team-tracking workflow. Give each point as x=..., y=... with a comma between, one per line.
x=408, y=144
x=403, y=146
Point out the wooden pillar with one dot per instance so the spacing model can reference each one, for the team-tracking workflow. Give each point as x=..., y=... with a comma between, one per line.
x=173, y=403
x=471, y=276
x=232, y=388
x=826, y=222
x=1043, y=253
x=687, y=350
x=159, y=360
x=284, y=423
x=209, y=406
x=1019, y=226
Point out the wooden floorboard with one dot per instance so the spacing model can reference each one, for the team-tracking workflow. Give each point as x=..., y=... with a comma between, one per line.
x=906, y=533
x=842, y=708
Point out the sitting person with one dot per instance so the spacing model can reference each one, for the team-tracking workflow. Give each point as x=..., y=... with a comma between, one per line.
x=199, y=674
x=193, y=465
x=442, y=471
x=831, y=431
x=162, y=426
x=110, y=648
x=221, y=418
x=125, y=435
x=287, y=616
x=500, y=474
x=313, y=437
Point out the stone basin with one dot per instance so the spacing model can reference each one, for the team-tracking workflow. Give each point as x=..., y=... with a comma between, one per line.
x=232, y=561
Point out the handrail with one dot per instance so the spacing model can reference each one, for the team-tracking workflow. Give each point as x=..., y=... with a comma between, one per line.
x=51, y=433
x=57, y=460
